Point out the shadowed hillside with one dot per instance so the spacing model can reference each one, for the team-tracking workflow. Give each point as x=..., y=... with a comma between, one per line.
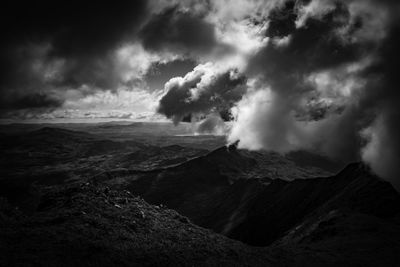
x=82, y=225
x=214, y=191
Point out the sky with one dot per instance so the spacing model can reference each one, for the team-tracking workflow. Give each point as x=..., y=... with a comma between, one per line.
x=320, y=75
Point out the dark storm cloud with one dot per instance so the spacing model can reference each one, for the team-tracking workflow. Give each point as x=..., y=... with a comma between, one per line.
x=34, y=100
x=176, y=30
x=74, y=27
x=312, y=47
x=77, y=36
x=27, y=87
x=200, y=92
x=282, y=20
x=100, y=72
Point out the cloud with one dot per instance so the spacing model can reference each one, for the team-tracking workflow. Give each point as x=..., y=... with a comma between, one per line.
x=382, y=150
x=177, y=30
x=80, y=33
x=123, y=99
x=122, y=103
x=304, y=87
x=212, y=124
x=314, y=9
x=30, y=74
x=207, y=88
x=161, y=72
x=41, y=81
x=75, y=28
x=309, y=80
x=33, y=100
x=331, y=87
x=48, y=48
x=104, y=47
x=133, y=62
x=263, y=119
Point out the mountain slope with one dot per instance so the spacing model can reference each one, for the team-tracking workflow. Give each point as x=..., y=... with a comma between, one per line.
x=283, y=205
x=83, y=225
x=213, y=192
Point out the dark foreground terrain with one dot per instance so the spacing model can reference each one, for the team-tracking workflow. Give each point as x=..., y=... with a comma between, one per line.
x=86, y=197
x=93, y=226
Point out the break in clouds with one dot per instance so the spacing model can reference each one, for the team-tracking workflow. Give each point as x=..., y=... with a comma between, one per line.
x=279, y=75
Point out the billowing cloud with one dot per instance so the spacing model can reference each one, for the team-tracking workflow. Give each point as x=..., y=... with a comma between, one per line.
x=206, y=89
x=330, y=87
x=265, y=120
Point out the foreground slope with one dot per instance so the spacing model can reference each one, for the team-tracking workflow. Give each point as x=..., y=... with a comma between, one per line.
x=83, y=225
x=86, y=225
